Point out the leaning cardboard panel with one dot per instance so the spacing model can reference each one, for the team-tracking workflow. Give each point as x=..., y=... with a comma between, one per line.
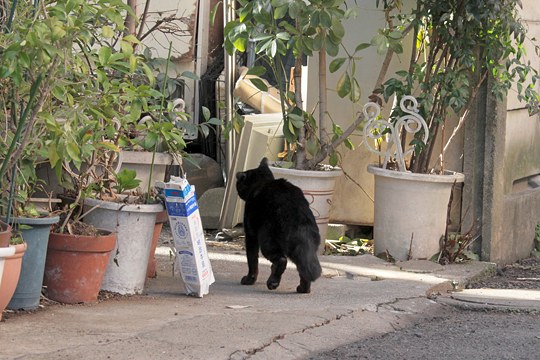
x=189, y=242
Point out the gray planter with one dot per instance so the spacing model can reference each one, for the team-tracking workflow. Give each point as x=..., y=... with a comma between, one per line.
x=36, y=235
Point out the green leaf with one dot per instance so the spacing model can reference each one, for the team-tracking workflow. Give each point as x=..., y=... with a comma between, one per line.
x=132, y=62
x=241, y=43
x=344, y=85
x=312, y=146
x=108, y=145
x=280, y=12
x=296, y=120
x=362, y=46
x=402, y=73
x=104, y=55
x=379, y=41
x=355, y=91
x=190, y=75
x=336, y=64
x=54, y=157
x=107, y=32
x=256, y=70
x=337, y=28
x=325, y=19
x=318, y=42
x=126, y=47
x=73, y=151
x=206, y=113
x=348, y=144
x=333, y=159
x=331, y=48
x=259, y=84
x=131, y=39
x=126, y=180
x=215, y=121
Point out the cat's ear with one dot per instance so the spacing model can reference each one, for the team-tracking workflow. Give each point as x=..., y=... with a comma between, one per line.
x=264, y=162
x=240, y=176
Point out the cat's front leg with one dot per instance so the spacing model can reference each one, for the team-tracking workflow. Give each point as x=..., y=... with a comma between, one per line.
x=252, y=254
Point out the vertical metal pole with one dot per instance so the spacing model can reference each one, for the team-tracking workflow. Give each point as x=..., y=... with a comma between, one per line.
x=230, y=71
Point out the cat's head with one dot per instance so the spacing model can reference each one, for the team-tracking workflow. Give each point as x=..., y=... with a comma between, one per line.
x=250, y=182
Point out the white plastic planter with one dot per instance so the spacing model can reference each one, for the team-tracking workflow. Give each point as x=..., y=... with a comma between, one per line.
x=134, y=224
x=410, y=206
x=4, y=253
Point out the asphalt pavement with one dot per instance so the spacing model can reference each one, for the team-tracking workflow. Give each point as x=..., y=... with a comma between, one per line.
x=357, y=297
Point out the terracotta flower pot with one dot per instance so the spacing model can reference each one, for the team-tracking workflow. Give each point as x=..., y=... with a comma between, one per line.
x=161, y=218
x=10, y=277
x=5, y=234
x=75, y=266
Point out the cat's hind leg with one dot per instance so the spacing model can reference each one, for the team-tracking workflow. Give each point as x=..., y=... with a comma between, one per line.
x=304, y=287
x=307, y=264
x=252, y=254
x=279, y=264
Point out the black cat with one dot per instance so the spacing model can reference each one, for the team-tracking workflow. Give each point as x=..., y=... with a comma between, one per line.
x=278, y=219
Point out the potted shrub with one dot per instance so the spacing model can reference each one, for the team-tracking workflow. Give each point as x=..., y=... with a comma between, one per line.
x=458, y=47
x=110, y=100
x=305, y=29
x=111, y=103
x=82, y=141
x=33, y=50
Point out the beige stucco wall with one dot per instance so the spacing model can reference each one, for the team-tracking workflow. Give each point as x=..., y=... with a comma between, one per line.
x=353, y=199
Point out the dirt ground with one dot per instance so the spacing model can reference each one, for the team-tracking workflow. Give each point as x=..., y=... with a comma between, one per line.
x=524, y=274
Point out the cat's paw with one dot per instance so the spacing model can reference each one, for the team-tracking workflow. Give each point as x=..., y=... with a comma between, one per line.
x=303, y=289
x=248, y=280
x=272, y=284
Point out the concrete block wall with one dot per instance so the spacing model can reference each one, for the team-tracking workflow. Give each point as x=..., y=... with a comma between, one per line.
x=509, y=150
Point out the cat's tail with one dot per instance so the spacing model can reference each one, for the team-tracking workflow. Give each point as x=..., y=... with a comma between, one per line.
x=309, y=266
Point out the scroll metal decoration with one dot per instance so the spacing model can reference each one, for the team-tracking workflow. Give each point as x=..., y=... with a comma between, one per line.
x=379, y=129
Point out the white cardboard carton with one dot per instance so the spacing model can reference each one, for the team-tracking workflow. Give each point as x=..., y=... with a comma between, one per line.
x=189, y=242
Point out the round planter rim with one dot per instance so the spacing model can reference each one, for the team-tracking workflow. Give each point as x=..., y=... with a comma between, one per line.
x=335, y=172
x=109, y=205
x=101, y=243
x=19, y=247
x=7, y=251
x=145, y=157
x=49, y=220
x=448, y=177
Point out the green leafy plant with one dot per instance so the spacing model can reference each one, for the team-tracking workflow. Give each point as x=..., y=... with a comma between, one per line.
x=458, y=46
x=305, y=28
x=38, y=49
x=126, y=180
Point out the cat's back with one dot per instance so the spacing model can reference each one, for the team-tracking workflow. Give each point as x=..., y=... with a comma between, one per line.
x=281, y=200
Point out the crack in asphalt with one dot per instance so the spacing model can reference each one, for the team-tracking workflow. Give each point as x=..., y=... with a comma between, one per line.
x=246, y=354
